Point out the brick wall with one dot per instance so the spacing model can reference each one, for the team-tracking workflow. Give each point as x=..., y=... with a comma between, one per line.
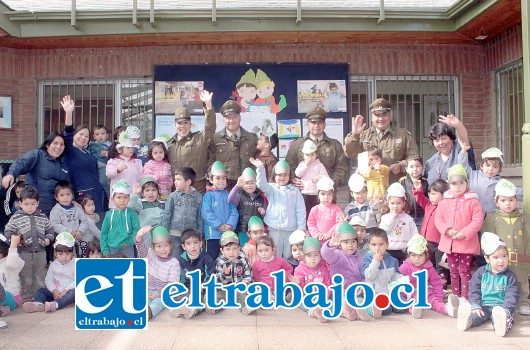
x=20, y=69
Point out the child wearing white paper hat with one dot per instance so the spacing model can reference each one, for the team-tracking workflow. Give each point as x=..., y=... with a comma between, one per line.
x=511, y=226
x=310, y=170
x=418, y=261
x=493, y=290
x=399, y=225
x=296, y=241
x=324, y=217
x=361, y=206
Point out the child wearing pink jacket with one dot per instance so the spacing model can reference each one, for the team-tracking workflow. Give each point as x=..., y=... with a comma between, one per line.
x=323, y=218
x=159, y=168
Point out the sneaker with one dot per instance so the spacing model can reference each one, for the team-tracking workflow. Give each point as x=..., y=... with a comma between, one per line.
x=245, y=310
x=32, y=306
x=376, y=312
x=463, y=321
x=416, y=312
x=452, y=305
x=499, y=320
x=50, y=306
x=524, y=310
x=362, y=314
x=348, y=312
x=3, y=324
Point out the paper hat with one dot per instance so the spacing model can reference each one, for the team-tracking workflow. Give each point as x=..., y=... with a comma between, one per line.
x=417, y=244
x=315, y=114
x=357, y=221
x=297, y=236
x=325, y=184
x=248, y=78
x=124, y=140
x=182, y=114
x=505, y=188
x=147, y=179
x=311, y=244
x=489, y=242
x=64, y=238
x=396, y=190
x=457, y=169
x=133, y=131
x=218, y=168
x=380, y=105
x=356, y=182
x=230, y=107
x=163, y=139
x=249, y=174
x=160, y=234
x=493, y=152
x=255, y=223
x=121, y=186
x=228, y=237
x=281, y=167
x=309, y=147
x=346, y=231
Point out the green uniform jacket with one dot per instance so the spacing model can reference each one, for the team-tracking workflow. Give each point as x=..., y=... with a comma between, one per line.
x=329, y=152
x=192, y=150
x=397, y=145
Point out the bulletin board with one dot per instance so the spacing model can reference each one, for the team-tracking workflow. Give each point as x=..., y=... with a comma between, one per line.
x=273, y=97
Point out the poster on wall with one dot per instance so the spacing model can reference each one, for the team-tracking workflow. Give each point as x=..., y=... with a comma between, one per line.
x=170, y=95
x=334, y=129
x=283, y=147
x=327, y=94
x=289, y=128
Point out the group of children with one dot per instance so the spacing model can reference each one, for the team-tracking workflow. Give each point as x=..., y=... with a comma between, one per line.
x=385, y=234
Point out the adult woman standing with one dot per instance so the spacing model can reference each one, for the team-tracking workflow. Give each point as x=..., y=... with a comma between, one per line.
x=443, y=136
x=82, y=166
x=43, y=168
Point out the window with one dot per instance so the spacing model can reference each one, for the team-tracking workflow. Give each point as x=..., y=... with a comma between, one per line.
x=510, y=106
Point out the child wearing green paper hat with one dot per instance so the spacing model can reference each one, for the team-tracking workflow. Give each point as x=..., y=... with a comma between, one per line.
x=249, y=200
x=231, y=267
x=158, y=166
x=459, y=218
x=149, y=209
x=256, y=229
x=163, y=267
x=218, y=214
x=511, y=226
x=418, y=261
x=286, y=210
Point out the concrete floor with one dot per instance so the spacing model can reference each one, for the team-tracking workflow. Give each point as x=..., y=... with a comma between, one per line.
x=266, y=329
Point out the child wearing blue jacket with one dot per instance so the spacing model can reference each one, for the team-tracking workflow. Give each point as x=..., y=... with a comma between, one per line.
x=218, y=214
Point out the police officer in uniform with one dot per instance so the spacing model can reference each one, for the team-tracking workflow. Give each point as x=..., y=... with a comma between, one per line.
x=190, y=149
x=233, y=146
x=395, y=142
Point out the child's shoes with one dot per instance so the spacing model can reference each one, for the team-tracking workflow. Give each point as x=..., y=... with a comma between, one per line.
x=416, y=312
x=3, y=324
x=50, y=306
x=452, y=305
x=463, y=321
x=499, y=320
x=33, y=306
x=376, y=312
x=245, y=310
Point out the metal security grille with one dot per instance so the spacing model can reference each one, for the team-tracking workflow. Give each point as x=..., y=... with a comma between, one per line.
x=510, y=107
x=417, y=101
x=107, y=102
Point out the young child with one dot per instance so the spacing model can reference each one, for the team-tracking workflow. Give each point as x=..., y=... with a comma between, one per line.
x=414, y=173
x=158, y=167
x=378, y=176
x=99, y=148
x=163, y=267
x=340, y=252
x=125, y=166
x=218, y=214
x=89, y=207
x=362, y=239
x=194, y=258
x=493, y=290
x=360, y=206
x=417, y=261
x=60, y=279
x=10, y=266
x=249, y=200
x=268, y=263
x=149, y=209
x=428, y=226
x=399, y=225
x=286, y=211
x=256, y=229
x=9, y=202
x=324, y=217
x=310, y=171
x=182, y=209
x=231, y=266
x=509, y=224
x=113, y=152
x=266, y=143
x=93, y=250
x=459, y=217
x=312, y=269
x=17, y=188
x=140, y=149
x=36, y=232
x=67, y=217
x=120, y=224
x=379, y=269
x=296, y=241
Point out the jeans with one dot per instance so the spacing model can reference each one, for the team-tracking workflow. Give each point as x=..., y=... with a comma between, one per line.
x=44, y=295
x=477, y=320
